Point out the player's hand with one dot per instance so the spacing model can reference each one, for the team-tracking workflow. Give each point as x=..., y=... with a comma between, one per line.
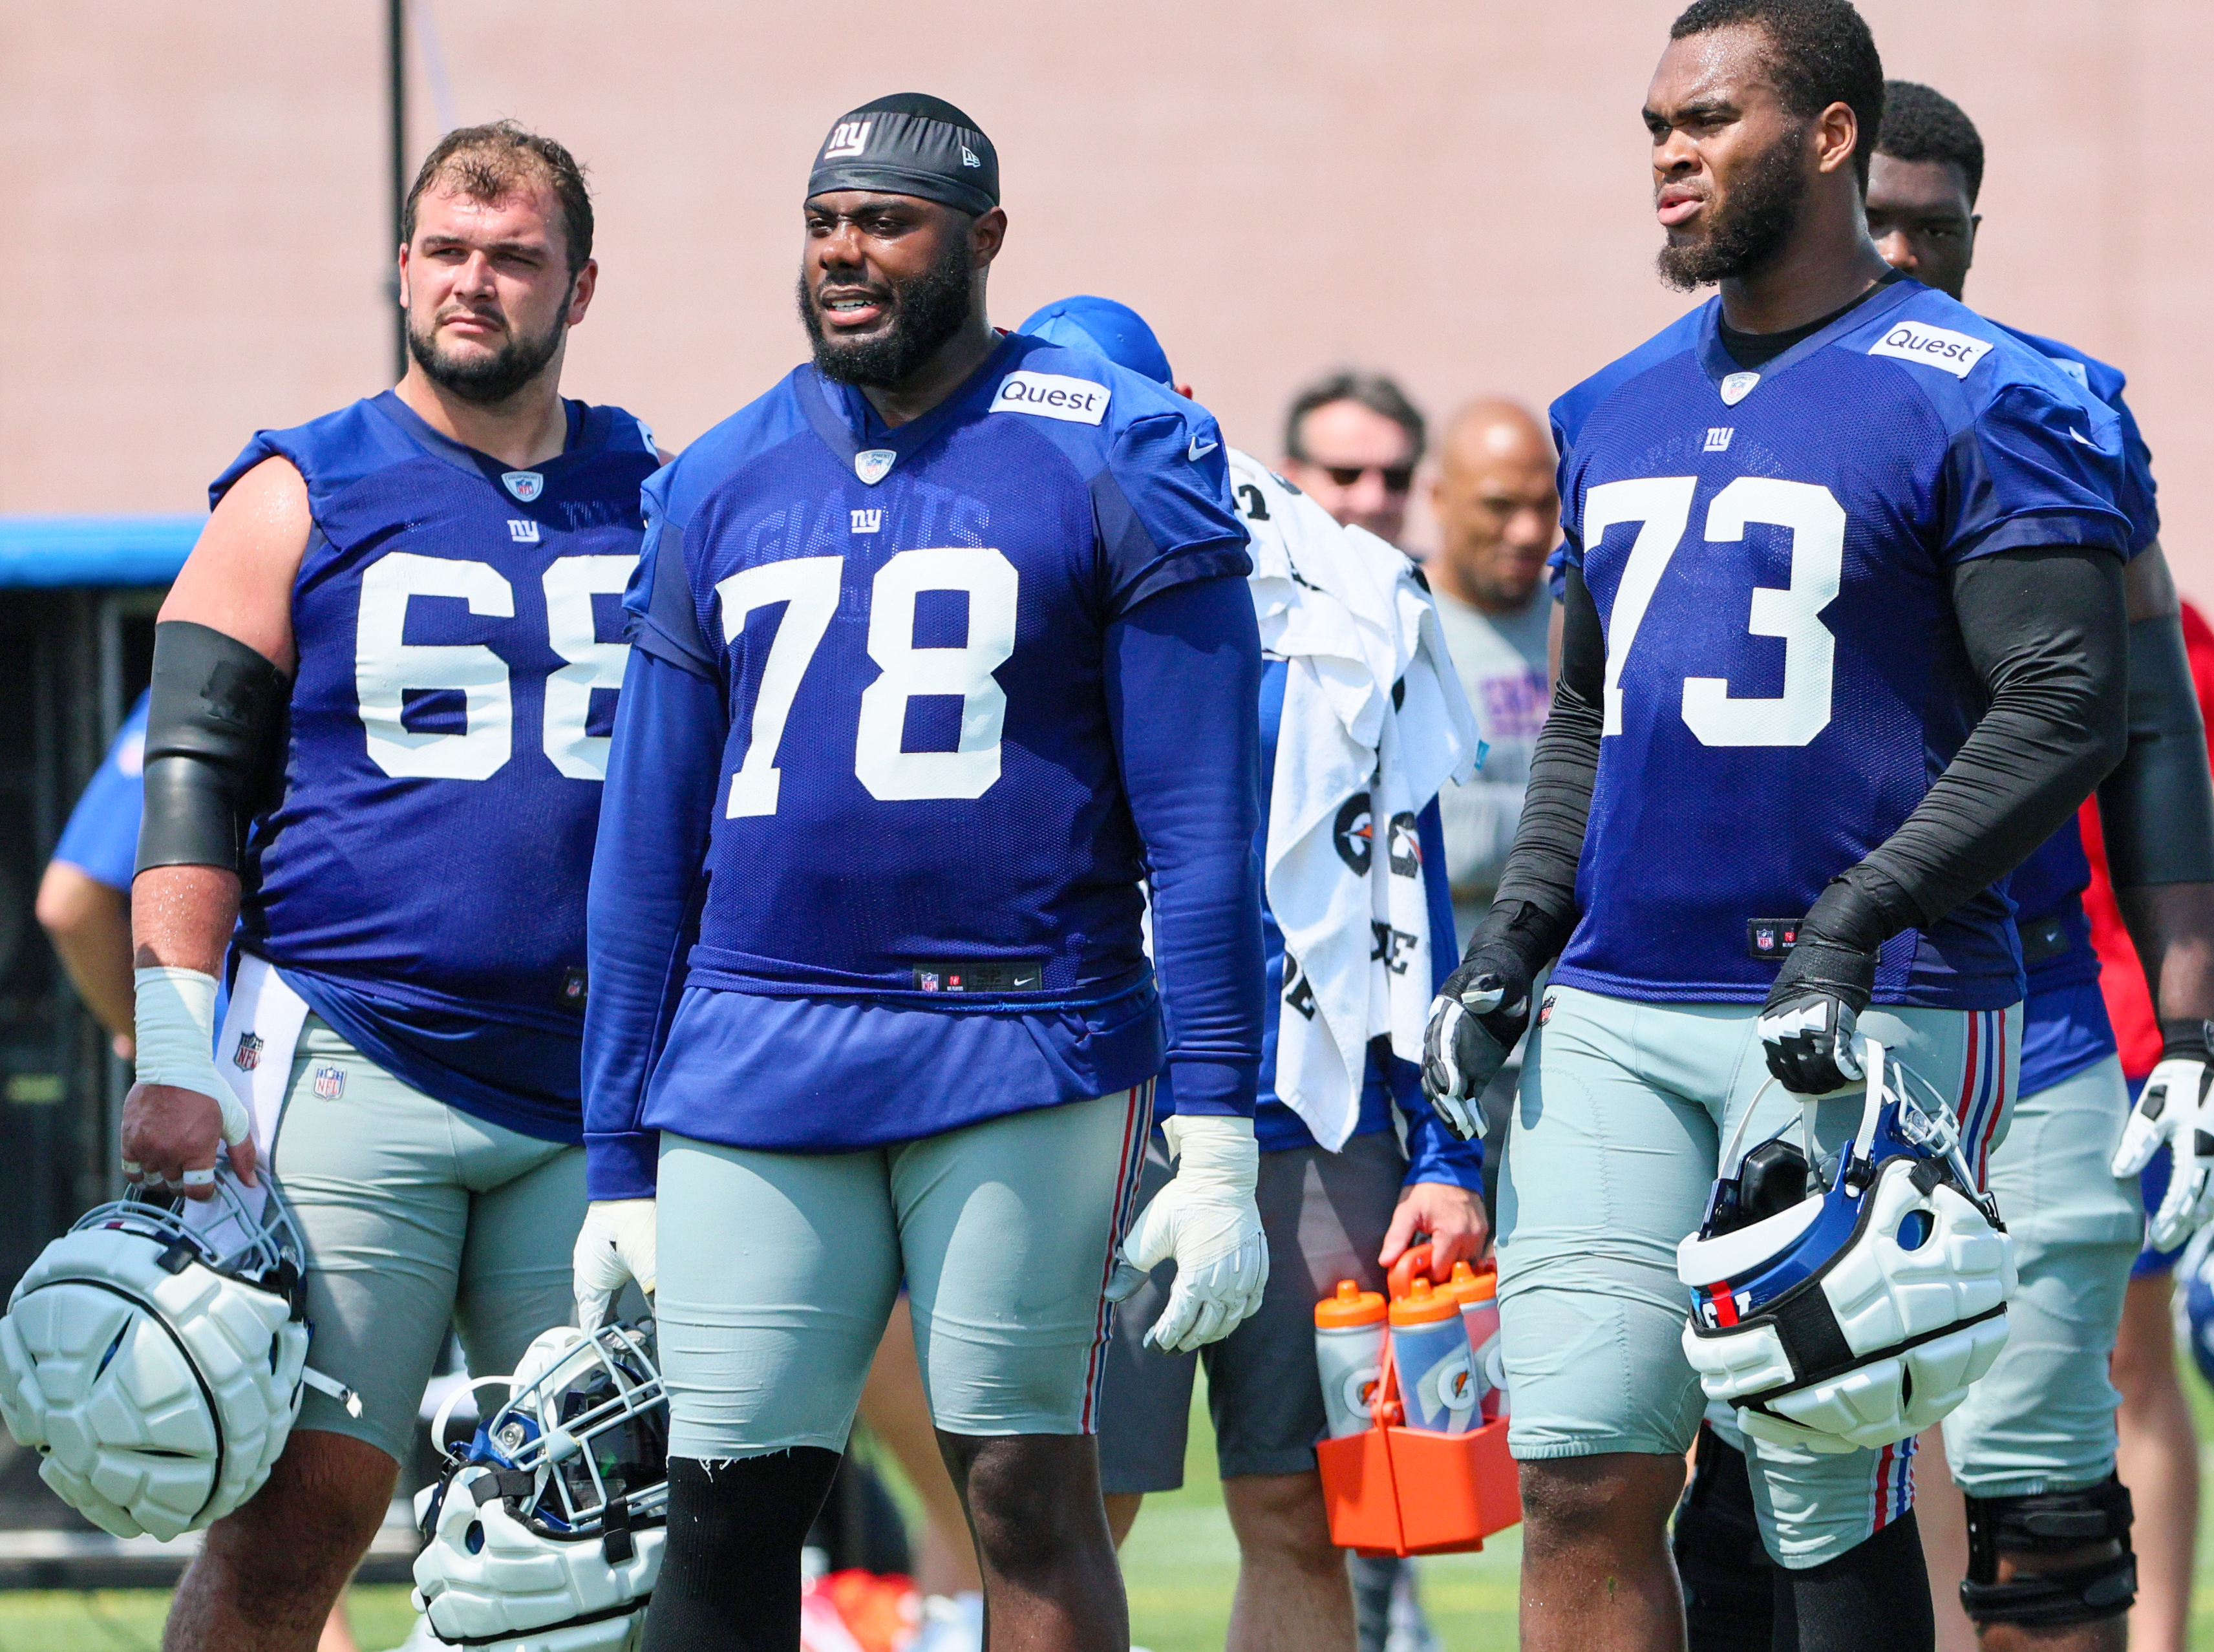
x=2173, y=1107
x=181, y=1109
x=1476, y=1021
x=616, y=1244
x=1207, y=1220
x=1453, y=1218
x=1807, y=1025
x=170, y=1137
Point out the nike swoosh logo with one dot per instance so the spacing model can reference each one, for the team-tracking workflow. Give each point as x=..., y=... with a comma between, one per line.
x=2080, y=437
x=1200, y=449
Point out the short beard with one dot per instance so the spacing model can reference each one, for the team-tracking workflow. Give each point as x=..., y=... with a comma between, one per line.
x=487, y=381
x=926, y=311
x=1750, y=230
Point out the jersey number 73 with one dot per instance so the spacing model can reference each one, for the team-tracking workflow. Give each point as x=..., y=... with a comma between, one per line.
x=1662, y=506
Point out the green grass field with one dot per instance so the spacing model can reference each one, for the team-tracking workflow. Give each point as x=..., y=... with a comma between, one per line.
x=1180, y=1561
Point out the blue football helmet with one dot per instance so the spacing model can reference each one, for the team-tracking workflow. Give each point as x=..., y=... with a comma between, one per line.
x=1847, y=1301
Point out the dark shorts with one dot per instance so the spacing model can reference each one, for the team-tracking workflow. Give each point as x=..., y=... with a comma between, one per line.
x=1325, y=1214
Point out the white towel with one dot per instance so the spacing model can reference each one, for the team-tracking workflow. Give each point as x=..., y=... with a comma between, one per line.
x=1374, y=723
x=254, y=1051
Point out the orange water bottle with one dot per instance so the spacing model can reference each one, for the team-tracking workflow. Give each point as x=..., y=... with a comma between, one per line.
x=1436, y=1381
x=1348, y=1354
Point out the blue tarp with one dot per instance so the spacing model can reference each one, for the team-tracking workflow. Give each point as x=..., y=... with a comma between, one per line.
x=94, y=550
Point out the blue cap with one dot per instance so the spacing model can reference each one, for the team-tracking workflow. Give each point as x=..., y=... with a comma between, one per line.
x=1105, y=328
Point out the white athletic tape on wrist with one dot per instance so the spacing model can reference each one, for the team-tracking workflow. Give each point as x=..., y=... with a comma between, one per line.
x=1214, y=1152
x=176, y=1041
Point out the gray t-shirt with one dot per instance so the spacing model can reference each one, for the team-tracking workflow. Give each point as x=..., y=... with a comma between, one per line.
x=1500, y=659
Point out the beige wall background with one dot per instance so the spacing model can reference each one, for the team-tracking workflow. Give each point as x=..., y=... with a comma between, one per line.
x=1452, y=190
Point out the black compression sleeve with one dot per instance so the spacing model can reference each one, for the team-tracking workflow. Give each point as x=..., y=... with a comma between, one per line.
x=2045, y=629
x=1538, y=888
x=214, y=734
x=2158, y=807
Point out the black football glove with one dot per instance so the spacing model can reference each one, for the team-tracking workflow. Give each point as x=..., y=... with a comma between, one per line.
x=1807, y=1025
x=1476, y=1021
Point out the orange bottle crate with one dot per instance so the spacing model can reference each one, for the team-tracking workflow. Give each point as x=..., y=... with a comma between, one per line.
x=1396, y=1490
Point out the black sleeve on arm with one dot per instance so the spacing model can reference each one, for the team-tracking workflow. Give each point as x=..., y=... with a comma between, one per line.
x=215, y=737
x=1537, y=896
x=2158, y=806
x=2044, y=629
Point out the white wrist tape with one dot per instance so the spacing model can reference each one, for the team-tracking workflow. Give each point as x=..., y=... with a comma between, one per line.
x=1219, y=1154
x=176, y=1041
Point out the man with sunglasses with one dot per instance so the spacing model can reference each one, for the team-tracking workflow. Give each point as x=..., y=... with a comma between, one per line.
x=1351, y=443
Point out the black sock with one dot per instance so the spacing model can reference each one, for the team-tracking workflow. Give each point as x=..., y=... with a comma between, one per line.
x=1876, y=1598
x=1729, y=1599
x=730, y=1577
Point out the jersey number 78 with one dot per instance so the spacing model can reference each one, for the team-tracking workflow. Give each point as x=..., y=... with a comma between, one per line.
x=808, y=586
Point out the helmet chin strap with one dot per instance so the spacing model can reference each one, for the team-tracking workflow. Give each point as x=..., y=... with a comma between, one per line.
x=1861, y=1165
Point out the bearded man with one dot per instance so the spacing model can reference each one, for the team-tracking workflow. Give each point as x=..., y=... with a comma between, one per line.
x=1844, y=641
x=379, y=729
x=940, y=647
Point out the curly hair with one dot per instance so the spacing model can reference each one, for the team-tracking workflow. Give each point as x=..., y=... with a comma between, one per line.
x=1923, y=125
x=1824, y=54
x=492, y=162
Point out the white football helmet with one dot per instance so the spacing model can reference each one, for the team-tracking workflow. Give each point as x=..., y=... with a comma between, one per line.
x=1847, y=1304
x=153, y=1355
x=545, y=1534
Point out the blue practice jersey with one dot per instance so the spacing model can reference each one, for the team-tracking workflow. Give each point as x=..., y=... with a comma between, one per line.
x=2064, y=1023
x=1770, y=554
x=421, y=881
x=922, y=901
x=102, y=838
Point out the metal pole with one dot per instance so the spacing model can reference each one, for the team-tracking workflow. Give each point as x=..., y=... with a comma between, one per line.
x=396, y=72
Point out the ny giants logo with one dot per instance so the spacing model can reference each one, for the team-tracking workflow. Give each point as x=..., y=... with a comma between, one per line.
x=847, y=139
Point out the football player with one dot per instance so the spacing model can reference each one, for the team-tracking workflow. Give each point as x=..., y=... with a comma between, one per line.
x=939, y=647
x=2046, y=1546
x=379, y=727
x=1330, y=1214
x=1844, y=642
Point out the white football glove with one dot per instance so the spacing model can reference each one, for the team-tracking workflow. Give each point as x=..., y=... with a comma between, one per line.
x=2174, y=1108
x=614, y=1246
x=1207, y=1220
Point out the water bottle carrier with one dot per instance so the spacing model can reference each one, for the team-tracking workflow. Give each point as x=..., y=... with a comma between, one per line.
x=1391, y=1489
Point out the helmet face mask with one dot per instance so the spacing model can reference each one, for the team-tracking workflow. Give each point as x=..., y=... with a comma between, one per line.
x=572, y=1469
x=1860, y=1313
x=154, y=1355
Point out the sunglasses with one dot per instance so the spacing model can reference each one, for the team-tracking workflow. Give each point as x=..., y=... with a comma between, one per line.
x=1398, y=479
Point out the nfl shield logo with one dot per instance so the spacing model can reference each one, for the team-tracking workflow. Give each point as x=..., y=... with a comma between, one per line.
x=525, y=484
x=247, y=1056
x=926, y=980
x=330, y=1081
x=873, y=466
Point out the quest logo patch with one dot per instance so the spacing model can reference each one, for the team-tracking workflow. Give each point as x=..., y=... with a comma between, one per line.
x=1956, y=353
x=1053, y=396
